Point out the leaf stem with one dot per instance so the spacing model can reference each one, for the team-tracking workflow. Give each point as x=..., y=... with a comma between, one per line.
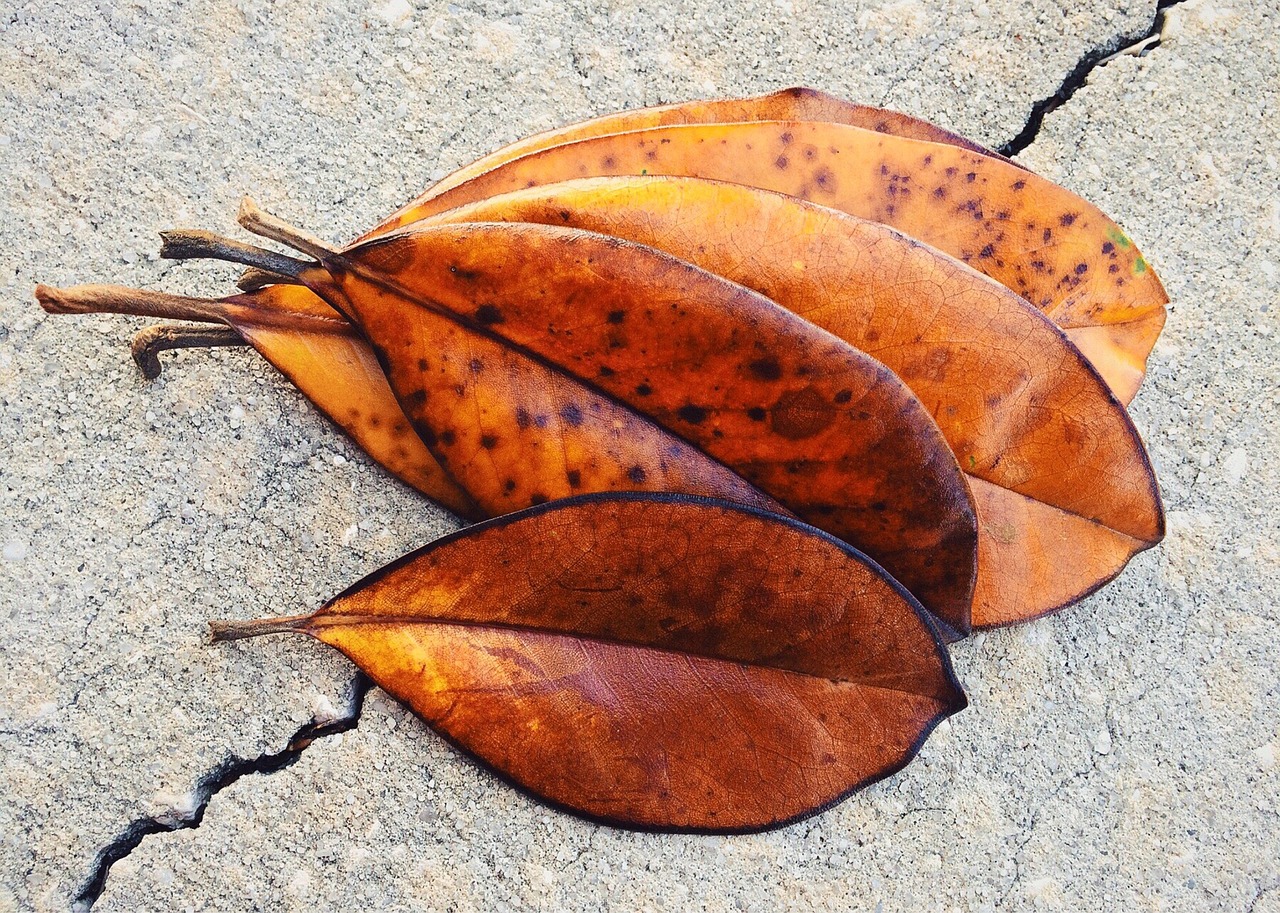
x=188, y=244
x=223, y=631
x=253, y=279
x=149, y=343
x=254, y=218
x=117, y=299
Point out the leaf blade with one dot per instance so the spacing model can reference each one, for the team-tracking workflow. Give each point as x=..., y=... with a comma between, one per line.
x=1058, y=251
x=1020, y=408
x=824, y=429
x=795, y=104
x=621, y=677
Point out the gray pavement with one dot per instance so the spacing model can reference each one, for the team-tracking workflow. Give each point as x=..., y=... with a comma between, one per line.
x=1122, y=755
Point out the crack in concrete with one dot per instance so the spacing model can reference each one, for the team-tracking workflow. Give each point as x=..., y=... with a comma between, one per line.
x=1141, y=45
x=1260, y=890
x=1094, y=760
x=212, y=783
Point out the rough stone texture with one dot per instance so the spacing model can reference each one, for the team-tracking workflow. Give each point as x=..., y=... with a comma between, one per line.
x=1122, y=755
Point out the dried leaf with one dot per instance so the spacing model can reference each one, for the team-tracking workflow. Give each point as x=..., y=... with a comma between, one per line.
x=1064, y=491
x=1056, y=250
x=826, y=430
x=561, y=436
x=652, y=661
x=311, y=344
x=794, y=104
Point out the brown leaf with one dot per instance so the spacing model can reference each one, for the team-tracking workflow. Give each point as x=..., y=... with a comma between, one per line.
x=557, y=436
x=1064, y=491
x=794, y=104
x=649, y=661
x=316, y=348
x=826, y=430
x=1058, y=251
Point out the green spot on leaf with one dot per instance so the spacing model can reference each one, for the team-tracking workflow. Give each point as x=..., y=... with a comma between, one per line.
x=1119, y=237
x=972, y=461
x=1139, y=266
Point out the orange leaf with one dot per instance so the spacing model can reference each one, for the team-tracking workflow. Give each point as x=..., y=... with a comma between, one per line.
x=826, y=430
x=792, y=104
x=1069, y=493
x=605, y=447
x=1058, y=251
x=649, y=661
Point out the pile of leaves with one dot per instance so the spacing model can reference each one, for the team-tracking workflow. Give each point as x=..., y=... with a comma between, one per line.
x=762, y=401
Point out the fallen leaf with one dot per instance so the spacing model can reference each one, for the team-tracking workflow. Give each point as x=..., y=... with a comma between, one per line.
x=569, y=436
x=652, y=661
x=1056, y=250
x=1064, y=491
x=794, y=104
x=806, y=418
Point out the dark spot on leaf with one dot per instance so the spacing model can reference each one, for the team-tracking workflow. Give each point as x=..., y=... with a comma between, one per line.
x=571, y=414
x=416, y=398
x=971, y=177
x=488, y=441
x=782, y=162
x=522, y=417
x=766, y=368
x=606, y=371
x=637, y=474
x=694, y=415
x=422, y=364
x=1066, y=219
x=1082, y=268
x=1107, y=247
x=538, y=498
x=574, y=477
x=487, y=315
x=643, y=390
x=476, y=366
x=617, y=316
x=801, y=414
x=756, y=414
x=843, y=396
x=987, y=251
x=447, y=437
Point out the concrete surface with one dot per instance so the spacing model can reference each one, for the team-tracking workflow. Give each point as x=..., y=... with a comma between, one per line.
x=1122, y=755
